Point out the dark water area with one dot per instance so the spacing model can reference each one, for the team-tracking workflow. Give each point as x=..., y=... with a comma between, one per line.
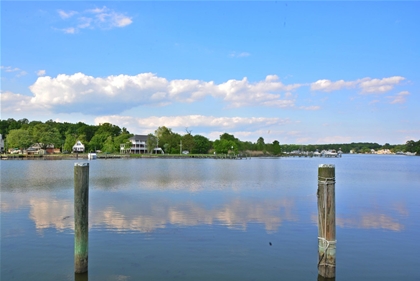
x=206, y=219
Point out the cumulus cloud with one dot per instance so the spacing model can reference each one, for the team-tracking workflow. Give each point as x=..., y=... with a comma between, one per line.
x=41, y=72
x=148, y=124
x=103, y=18
x=326, y=85
x=366, y=85
x=114, y=94
x=369, y=85
x=240, y=93
x=400, y=97
x=15, y=103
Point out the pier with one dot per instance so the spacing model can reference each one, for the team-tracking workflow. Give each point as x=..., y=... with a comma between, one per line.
x=324, y=153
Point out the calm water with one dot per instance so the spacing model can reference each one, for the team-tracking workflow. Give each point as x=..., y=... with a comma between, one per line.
x=204, y=219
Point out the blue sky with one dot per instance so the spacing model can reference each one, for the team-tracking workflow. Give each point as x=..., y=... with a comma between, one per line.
x=296, y=72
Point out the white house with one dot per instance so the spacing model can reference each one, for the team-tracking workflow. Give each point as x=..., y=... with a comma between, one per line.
x=78, y=147
x=139, y=146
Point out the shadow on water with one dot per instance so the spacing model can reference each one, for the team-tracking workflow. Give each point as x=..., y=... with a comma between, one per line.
x=81, y=277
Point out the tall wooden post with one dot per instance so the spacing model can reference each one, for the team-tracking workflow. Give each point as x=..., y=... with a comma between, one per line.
x=81, y=214
x=326, y=221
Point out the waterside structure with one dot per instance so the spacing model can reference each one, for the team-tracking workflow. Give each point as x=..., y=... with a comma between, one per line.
x=323, y=153
x=139, y=146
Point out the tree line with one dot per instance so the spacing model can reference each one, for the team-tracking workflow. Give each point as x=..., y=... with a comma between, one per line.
x=22, y=134
x=107, y=137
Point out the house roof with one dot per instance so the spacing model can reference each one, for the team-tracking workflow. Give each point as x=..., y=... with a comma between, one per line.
x=79, y=144
x=139, y=138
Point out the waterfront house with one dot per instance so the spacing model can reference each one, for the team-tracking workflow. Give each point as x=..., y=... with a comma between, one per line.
x=139, y=146
x=79, y=147
x=39, y=148
x=32, y=151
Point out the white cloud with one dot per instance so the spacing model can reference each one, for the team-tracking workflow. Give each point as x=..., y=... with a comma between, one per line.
x=267, y=92
x=312, y=107
x=108, y=18
x=41, y=72
x=114, y=94
x=334, y=139
x=400, y=97
x=9, y=69
x=326, y=85
x=103, y=18
x=303, y=140
x=144, y=125
x=383, y=85
x=16, y=103
x=66, y=15
x=366, y=85
x=84, y=22
x=22, y=73
x=244, y=128
x=69, y=30
x=239, y=55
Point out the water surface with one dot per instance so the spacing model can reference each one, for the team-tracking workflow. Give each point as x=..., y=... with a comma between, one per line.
x=206, y=219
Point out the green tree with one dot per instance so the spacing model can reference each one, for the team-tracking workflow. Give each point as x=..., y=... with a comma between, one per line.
x=19, y=138
x=89, y=131
x=238, y=144
x=69, y=142
x=276, y=149
x=122, y=139
x=226, y=136
x=168, y=140
x=46, y=135
x=188, y=143
x=109, y=129
x=260, y=144
x=224, y=146
x=410, y=146
x=202, y=144
x=151, y=142
x=98, y=141
x=109, y=145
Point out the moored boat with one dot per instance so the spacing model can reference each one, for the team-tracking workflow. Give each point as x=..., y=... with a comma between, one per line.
x=92, y=156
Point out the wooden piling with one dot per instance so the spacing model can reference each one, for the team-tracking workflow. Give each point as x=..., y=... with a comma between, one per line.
x=81, y=214
x=326, y=221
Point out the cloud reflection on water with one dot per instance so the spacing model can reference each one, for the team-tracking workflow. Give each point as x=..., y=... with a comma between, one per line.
x=237, y=214
x=48, y=212
x=373, y=220
x=150, y=215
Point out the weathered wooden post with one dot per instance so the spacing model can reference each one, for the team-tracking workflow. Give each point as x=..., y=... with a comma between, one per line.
x=326, y=221
x=81, y=214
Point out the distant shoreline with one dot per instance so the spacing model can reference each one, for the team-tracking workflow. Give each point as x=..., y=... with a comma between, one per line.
x=84, y=156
